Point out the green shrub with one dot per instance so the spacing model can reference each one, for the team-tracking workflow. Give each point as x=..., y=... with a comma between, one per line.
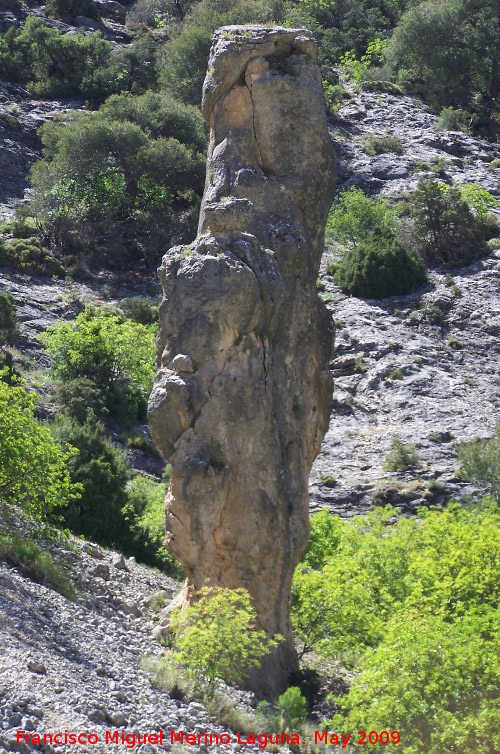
x=8, y=317
x=436, y=683
x=216, y=637
x=401, y=457
x=76, y=397
x=454, y=120
x=121, y=182
x=292, y=708
x=381, y=85
x=33, y=471
x=144, y=513
x=446, y=229
x=27, y=255
x=103, y=472
x=380, y=266
x=118, y=357
x=480, y=462
x=142, y=310
x=455, y=343
x=36, y=563
x=355, y=216
x=373, y=145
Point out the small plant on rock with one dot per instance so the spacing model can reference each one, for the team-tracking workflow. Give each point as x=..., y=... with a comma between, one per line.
x=401, y=457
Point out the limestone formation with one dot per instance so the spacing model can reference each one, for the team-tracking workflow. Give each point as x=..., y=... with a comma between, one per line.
x=243, y=395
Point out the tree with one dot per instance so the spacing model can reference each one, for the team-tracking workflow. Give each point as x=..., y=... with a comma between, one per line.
x=446, y=229
x=8, y=317
x=217, y=636
x=124, y=180
x=33, y=467
x=452, y=47
x=117, y=356
x=101, y=471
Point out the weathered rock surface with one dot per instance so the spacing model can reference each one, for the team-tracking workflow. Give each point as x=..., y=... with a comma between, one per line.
x=242, y=414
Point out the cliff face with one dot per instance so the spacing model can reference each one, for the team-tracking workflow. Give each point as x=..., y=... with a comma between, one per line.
x=243, y=397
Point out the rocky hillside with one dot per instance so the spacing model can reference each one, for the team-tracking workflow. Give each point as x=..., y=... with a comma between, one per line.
x=78, y=666
x=423, y=367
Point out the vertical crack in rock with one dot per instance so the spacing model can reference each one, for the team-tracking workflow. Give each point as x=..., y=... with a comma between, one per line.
x=243, y=395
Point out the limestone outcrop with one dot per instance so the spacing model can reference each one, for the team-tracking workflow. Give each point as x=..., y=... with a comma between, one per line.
x=243, y=395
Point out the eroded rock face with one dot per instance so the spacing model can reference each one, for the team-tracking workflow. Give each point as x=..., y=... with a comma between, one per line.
x=243, y=395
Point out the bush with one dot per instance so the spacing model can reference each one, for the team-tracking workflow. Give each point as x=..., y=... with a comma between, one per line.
x=53, y=64
x=142, y=310
x=380, y=266
x=373, y=145
x=454, y=120
x=27, y=255
x=33, y=468
x=292, y=708
x=37, y=564
x=145, y=516
x=436, y=683
x=480, y=462
x=8, y=317
x=216, y=637
x=355, y=216
x=401, y=457
x=102, y=471
x=445, y=226
x=123, y=181
x=76, y=397
x=117, y=357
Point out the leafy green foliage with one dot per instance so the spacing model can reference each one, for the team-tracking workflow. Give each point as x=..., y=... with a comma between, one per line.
x=425, y=604
x=292, y=708
x=54, y=64
x=480, y=462
x=438, y=683
x=116, y=356
x=142, y=310
x=145, y=515
x=451, y=119
x=102, y=471
x=355, y=216
x=36, y=563
x=28, y=255
x=380, y=266
x=122, y=180
x=446, y=228
x=33, y=468
x=450, y=50
x=358, y=69
x=401, y=457
x=216, y=637
x=8, y=317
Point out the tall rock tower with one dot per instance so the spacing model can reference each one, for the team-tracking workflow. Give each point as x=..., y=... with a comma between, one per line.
x=242, y=397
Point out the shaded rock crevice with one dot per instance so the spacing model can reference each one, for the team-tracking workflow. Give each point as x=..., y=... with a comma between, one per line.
x=243, y=394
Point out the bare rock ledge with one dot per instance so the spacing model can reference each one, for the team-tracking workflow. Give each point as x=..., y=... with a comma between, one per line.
x=243, y=395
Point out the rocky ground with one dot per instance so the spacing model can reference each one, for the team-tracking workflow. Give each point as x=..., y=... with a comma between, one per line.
x=422, y=367
x=79, y=666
